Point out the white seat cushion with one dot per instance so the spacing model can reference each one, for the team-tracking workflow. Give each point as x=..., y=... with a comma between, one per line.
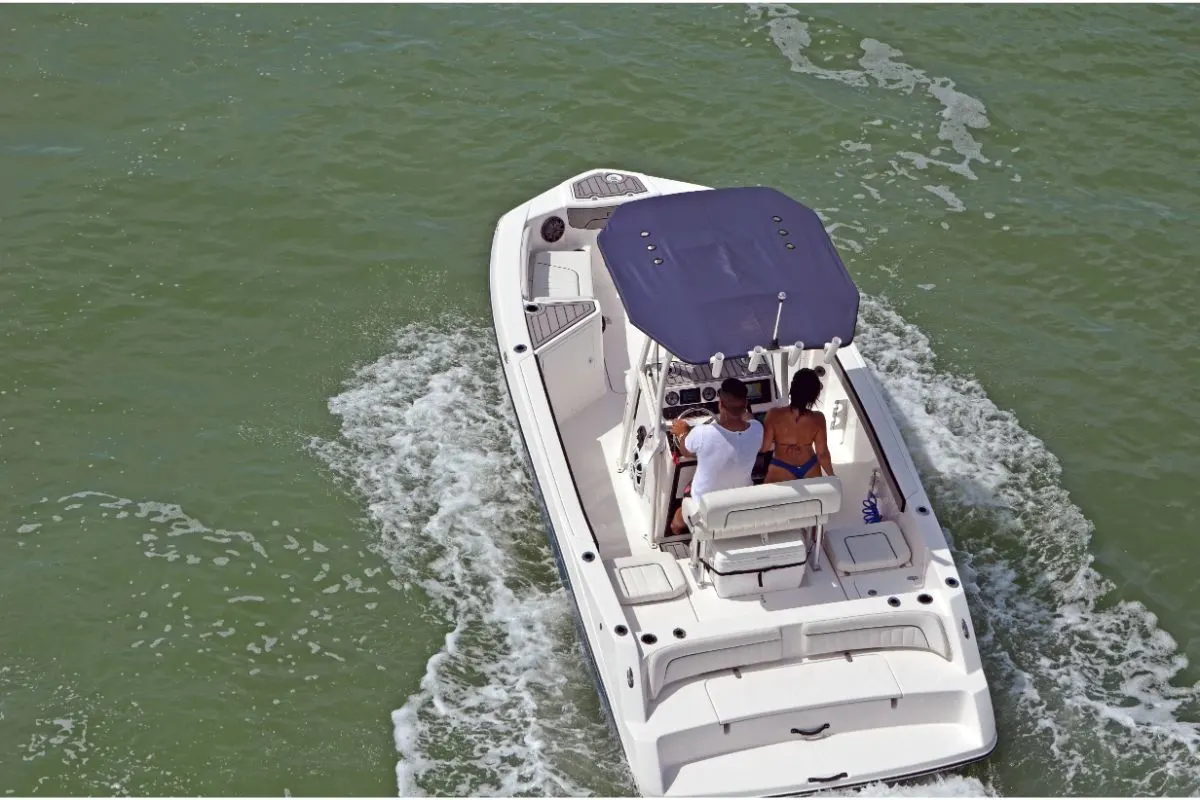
x=681, y=660
x=895, y=630
x=561, y=273
x=766, y=508
x=864, y=548
x=646, y=578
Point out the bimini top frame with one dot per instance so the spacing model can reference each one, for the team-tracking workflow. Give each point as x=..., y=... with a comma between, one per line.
x=646, y=380
x=728, y=271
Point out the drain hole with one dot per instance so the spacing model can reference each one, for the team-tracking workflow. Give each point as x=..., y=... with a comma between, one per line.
x=679, y=633
x=952, y=583
x=649, y=638
x=924, y=599
x=531, y=308
x=520, y=348
x=589, y=556
x=620, y=630
x=894, y=602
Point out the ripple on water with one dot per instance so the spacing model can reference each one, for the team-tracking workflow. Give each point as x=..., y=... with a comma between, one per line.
x=224, y=608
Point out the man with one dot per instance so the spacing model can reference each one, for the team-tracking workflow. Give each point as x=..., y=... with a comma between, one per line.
x=725, y=450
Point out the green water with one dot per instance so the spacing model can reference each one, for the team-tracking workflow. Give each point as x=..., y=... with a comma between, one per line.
x=261, y=483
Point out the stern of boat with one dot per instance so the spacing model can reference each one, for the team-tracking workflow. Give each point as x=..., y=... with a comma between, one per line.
x=800, y=728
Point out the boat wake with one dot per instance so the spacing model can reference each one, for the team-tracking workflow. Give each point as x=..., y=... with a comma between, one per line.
x=1076, y=674
x=881, y=162
x=505, y=707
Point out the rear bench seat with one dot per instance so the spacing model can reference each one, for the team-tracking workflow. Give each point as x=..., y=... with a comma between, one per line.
x=897, y=630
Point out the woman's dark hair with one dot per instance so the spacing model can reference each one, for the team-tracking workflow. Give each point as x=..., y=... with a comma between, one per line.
x=806, y=388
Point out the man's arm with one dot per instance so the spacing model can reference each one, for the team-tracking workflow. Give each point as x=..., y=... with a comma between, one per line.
x=682, y=430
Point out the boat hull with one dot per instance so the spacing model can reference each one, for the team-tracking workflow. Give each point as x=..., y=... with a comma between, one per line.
x=585, y=647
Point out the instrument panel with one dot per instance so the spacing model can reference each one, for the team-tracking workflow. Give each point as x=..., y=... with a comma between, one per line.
x=692, y=385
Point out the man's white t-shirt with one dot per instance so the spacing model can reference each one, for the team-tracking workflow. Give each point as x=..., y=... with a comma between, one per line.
x=724, y=458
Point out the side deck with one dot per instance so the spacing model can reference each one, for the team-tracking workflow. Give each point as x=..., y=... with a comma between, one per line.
x=616, y=514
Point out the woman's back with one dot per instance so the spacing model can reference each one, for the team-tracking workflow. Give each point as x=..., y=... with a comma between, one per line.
x=797, y=433
x=796, y=430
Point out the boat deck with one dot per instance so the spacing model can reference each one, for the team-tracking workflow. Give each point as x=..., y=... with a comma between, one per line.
x=593, y=437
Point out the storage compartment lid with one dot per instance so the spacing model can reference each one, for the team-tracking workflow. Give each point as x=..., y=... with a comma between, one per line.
x=864, y=548
x=647, y=578
x=561, y=273
x=750, y=553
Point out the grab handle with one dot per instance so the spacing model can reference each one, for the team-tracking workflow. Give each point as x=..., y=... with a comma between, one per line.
x=830, y=779
x=810, y=732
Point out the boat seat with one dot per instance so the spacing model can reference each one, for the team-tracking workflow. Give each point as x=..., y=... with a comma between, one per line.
x=681, y=660
x=646, y=578
x=766, y=508
x=896, y=630
x=867, y=548
x=561, y=273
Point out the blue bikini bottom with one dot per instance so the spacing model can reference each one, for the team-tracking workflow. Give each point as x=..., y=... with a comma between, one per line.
x=797, y=472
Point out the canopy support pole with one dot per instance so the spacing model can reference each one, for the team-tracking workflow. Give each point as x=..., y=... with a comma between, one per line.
x=778, y=314
x=625, y=455
x=661, y=500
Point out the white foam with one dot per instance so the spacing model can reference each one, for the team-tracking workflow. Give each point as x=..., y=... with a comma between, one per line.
x=936, y=786
x=1092, y=677
x=960, y=113
x=505, y=695
x=879, y=66
x=946, y=194
x=427, y=440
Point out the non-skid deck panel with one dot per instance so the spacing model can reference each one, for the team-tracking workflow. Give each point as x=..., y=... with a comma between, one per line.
x=606, y=184
x=551, y=319
x=692, y=374
x=676, y=549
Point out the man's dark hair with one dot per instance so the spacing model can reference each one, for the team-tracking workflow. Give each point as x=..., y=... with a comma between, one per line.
x=734, y=389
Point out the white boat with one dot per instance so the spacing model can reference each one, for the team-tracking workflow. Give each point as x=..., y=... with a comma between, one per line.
x=804, y=635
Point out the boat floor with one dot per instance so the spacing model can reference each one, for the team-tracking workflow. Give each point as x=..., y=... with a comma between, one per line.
x=592, y=438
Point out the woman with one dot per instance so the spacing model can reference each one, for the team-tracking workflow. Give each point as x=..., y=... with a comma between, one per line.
x=797, y=433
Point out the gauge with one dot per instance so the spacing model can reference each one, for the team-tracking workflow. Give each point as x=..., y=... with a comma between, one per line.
x=672, y=398
x=708, y=394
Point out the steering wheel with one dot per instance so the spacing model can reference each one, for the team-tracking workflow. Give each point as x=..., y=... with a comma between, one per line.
x=696, y=411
